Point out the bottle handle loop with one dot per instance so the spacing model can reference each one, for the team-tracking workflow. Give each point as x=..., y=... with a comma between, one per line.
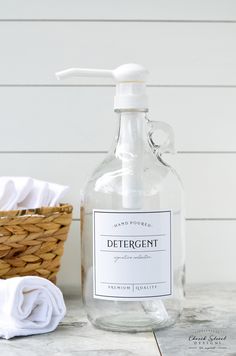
x=160, y=137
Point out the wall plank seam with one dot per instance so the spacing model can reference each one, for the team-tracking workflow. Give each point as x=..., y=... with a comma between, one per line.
x=184, y=86
x=121, y=20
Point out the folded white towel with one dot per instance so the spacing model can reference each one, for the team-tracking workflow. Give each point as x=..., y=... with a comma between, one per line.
x=37, y=197
x=8, y=194
x=29, y=193
x=29, y=305
x=23, y=187
x=57, y=192
x=15, y=190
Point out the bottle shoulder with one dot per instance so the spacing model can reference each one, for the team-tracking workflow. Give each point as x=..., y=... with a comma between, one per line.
x=152, y=172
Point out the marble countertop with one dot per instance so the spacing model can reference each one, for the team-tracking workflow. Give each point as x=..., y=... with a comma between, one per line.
x=210, y=313
x=207, y=325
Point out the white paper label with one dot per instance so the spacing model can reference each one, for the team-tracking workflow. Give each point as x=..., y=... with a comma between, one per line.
x=132, y=254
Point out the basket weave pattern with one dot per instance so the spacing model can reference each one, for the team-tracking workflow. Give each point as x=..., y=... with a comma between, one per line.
x=32, y=241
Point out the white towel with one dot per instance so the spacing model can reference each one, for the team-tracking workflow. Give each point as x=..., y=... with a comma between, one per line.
x=37, y=197
x=57, y=192
x=43, y=194
x=29, y=305
x=29, y=193
x=23, y=187
x=8, y=194
x=15, y=191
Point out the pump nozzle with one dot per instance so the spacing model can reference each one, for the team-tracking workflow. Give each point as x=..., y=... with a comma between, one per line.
x=84, y=72
x=130, y=82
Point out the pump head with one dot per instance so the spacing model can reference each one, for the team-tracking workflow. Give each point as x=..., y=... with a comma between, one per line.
x=130, y=82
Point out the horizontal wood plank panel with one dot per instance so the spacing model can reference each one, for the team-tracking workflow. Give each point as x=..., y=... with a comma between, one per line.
x=209, y=180
x=210, y=184
x=175, y=53
x=107, y=9
x=207, y=245
x=82, y=118
x=210, y=251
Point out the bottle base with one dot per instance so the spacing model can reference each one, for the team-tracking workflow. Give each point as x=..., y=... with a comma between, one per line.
x=131, y=323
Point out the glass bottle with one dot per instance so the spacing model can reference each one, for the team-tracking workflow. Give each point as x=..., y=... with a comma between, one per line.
x=132, y=224
x=161, y=191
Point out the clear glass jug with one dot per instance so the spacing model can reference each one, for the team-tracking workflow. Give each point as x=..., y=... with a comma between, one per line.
x=134, y=178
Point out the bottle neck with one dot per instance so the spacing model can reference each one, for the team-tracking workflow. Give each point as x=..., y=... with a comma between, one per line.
x=129, y=149
x=130, y=134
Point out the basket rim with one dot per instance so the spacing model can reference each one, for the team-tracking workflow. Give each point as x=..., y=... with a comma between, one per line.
x=42, y=211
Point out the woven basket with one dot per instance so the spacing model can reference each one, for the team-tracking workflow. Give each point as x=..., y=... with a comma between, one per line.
x=32, y=241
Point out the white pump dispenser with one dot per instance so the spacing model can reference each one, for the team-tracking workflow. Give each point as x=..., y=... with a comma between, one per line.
x=130, y=95
x=130, y=82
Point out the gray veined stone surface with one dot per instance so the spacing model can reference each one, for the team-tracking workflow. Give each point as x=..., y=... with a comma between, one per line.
x=207, y=325
x=210, y=311
x=75, y=336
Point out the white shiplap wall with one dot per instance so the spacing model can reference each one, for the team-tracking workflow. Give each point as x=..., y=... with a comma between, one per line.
x=50, y=129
